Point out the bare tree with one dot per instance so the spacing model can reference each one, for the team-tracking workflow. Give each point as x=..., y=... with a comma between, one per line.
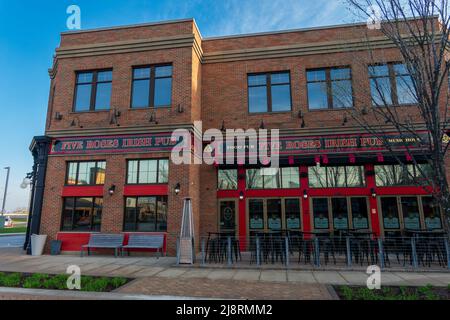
x=419, y=31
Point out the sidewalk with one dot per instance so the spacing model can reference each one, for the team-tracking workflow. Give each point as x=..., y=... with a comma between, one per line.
x=161, y=277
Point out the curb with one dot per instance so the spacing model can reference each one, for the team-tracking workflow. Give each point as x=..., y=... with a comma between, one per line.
x=12, y=234
x=80, y=295
x=332, y=292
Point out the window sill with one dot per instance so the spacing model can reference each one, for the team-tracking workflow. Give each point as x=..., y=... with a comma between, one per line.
x=333, y=109
x=90, y=111
x=268, y=113
x=150, y=108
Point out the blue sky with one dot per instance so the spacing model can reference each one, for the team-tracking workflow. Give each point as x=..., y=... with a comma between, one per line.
x=29, y=33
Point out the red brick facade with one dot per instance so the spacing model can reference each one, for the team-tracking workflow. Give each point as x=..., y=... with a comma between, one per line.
x=209, y=85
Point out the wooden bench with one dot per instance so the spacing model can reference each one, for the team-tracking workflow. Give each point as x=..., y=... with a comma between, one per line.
x=144, y=241
x=104, y=241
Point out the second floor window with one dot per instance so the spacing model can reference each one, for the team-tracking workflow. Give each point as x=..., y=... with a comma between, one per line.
x=154, y=171
x=152, y=87
x=86, y=173
x=391, y=84
x=93, y=90
x=227, y=179
x=336, y=177
x=269, y=92
x=273, y=178
x=329, y=88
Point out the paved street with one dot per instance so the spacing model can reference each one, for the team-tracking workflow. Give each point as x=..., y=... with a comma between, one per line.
x=11, y=241
x=161, y=277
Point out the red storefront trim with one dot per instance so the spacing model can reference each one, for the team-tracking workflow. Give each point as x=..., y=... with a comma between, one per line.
x=83, y=191
x=146, y=190
x=73, y=241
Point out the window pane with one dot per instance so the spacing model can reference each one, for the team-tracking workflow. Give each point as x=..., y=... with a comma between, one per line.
x=271, y=177
x=405, y=90
x=72, y=173
x=292, y=208
x=340, y=213
x=227, y=179
x=257, y=80
x=148, y=171
x=163, y=171
x=146, y=220
x=101, y=172
x=163, y=92
x=290, y=178
x=400, y=69
x=410, y=210
x=83, y=214
x=431, y=213
x=103, y=96
x=278, y=78
x=130, y=214
x=390, y=212
x=103, y=76
x=340, y=74
x=86, y=173
x=320, y=212
x=281, y=98
x=254, y=179
x=381, y=91
x=83, y=97
x=359, y=213
x=336, y=177
x=317, y=95
x=162, y=214
x=140, y=93
x=257, y=99
x=317, y=177
x=141, y=73
x=132, y=171
x=256, y=214
x=385, y=176
x=355, y=176
x=67, y=214
x=316, y=75
x=342, y=94
x=165, y=71
x=97, y=215
x=274, y=214
x=84, y=77
x=379, y=71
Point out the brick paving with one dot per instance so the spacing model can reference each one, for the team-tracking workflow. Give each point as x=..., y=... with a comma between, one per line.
x=227, y=289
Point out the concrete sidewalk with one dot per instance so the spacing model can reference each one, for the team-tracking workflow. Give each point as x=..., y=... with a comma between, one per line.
x=164, y=268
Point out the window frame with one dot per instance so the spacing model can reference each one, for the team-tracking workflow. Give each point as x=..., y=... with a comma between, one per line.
x=138, y=169
x=151, y=88
x=78, y=170
x=268, y=86
x=91, y=225
x=329, y=84
x=94, y=84
x=392, y=76
x=157, y=198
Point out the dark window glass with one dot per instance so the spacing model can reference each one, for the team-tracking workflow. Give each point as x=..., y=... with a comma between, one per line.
x=389, y=208
x=86, y=173
x=82, y=214
x=152, y=87
x=340, y=213
x=274, y=214
x=150, y=171
x=320, y=212
x=227, y=216
x=227, y=179
x=336, y=177
x=270, y=92
x=410, y=210
x=431, y=213
x=146, y=214
x=329, y=88
x=359, y=213
x=256, y=214
x=93, y=91
x=292, y=210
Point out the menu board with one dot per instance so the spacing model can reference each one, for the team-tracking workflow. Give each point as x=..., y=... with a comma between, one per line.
x=360, y=223
x=321, y=223
x=391, y=223
x=293, y=223
x=433, y=223
x=274, y=224
x=412, y=223
x=256, y=223
x=340, y=223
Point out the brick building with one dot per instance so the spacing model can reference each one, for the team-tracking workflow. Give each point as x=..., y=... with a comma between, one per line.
x=117, y=94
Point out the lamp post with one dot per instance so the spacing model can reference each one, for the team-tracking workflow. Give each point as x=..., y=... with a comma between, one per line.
x=6, y=189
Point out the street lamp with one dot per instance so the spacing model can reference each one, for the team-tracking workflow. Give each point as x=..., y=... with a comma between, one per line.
x=6, y=189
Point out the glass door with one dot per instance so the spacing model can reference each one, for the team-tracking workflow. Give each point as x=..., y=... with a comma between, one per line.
x=227, y=215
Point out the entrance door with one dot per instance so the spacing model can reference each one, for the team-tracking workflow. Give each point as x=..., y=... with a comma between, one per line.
x=227, y=216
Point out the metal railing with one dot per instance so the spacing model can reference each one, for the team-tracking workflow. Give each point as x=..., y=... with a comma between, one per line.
x=325, y=251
